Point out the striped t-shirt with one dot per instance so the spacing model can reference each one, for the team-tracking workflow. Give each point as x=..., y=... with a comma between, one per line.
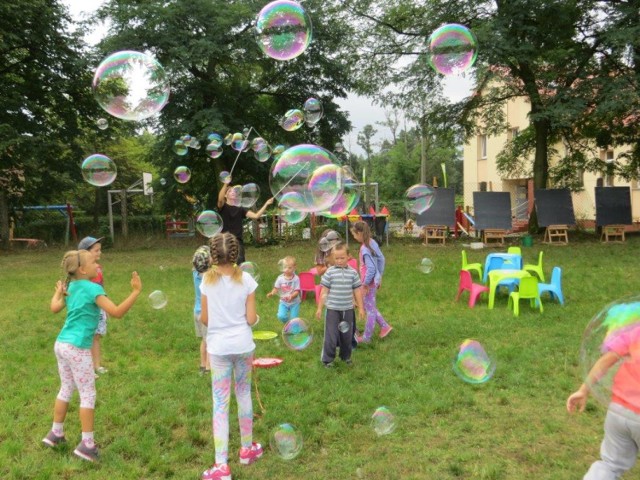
x=341, y=282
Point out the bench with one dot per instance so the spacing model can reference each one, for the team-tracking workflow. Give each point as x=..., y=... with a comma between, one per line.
x=491, y=234
x=612, y=233
x=30, y=242
x=556, y=234
x=436, y=233
x=178, y=229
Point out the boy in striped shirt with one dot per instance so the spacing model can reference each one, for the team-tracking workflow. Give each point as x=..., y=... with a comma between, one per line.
x=340, y=286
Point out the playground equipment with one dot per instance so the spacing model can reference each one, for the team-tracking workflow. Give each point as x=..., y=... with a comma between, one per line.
x=146, y=189
x=70, y=227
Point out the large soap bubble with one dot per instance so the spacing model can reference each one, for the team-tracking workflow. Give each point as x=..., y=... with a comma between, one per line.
x=297, y=334
x=383, y=421
x=252, y=269
x=285, y=441
x=250, y=194
x=283, y=29
x=312, y=111
x=419, y=198
x=209, y=223
x=99, y=170
x=298, y=180
x=293, y=216
x=349, y=198
x=452, y=48
x=616, y=328
x=131, y=85
x=472, y=363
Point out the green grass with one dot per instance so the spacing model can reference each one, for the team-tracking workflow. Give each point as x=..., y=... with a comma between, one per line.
x=153, y=417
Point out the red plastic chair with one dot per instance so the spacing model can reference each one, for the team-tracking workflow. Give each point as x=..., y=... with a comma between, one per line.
x=307, y=283
x=353, y=263
x=474, y=289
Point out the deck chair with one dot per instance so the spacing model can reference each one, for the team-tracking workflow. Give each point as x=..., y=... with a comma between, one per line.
x=537, y=269
x=555, y=287
x=514, y=250
x=474, y=289
x=471, y=266
x=528, y=289
x=307, y=283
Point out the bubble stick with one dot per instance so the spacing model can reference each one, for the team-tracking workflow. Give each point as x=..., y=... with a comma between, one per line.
x=291, y=179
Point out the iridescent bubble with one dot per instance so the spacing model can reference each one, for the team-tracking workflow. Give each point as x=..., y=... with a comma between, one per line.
x=616, y=328
x=209, y=223
x=180, y=148
x=182, y=174
x=246, y=131
x=195, y=144
x=292, y=120
x=213, y=151
x=419, y=198
x=426, y=265
x=344, y=326
x=186, y=139
x=239, y=143
x=329, y=240
x=285, y=441
x=252, y=269
x=131, y=85
x=234, y=196
x=339, y=148
x=293, y=216
x=383, y=421
x=157, y=299
x=283, y=30
x=258, y=143
x=472, y=363
x=163, y=182
x=102, y=123
x=349, y=198
x=292, y=174
x=228, y=139
x=277, y=151
x=452, y=49
x=263, y=154
x=225, y=177
x=313, y=111
x=297, y=334
x=99, y=170
x=281, y=265
x=250, y=194
x=215, y=140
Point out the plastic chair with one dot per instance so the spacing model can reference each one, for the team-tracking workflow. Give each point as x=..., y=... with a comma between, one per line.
x=353, y=263
x=528, y=289
x=537, y=269
x=471, y=266
x=474, y=289
x=555, y=287
x=307, y=283
x=514, y=250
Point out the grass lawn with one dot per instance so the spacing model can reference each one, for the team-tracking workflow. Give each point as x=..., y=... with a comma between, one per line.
x=153, y=416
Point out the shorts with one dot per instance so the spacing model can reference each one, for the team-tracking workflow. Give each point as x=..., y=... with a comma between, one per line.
x=102, y=324
x=201, y=330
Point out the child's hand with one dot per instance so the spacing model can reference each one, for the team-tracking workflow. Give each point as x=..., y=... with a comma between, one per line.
x=60, y=287
x=136, y=283
x=270, y=294
x=577, y=400
x=361, y=313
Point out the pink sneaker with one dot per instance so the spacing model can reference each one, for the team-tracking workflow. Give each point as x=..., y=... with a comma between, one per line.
x=248, y=455
x=217, y=472
x=384, y=331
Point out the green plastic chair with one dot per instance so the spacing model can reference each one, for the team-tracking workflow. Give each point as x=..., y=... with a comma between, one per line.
x=514, y=250
x=528, y=289
x=537, y=269
x=471, y=266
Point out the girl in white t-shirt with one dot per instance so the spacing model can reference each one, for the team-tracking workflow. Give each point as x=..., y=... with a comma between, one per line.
x=229, y=309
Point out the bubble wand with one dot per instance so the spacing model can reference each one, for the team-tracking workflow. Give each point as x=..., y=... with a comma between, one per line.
x=291, y=179
x=240, y=151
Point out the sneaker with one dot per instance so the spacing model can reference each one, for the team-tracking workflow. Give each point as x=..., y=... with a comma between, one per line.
x=348, y=362
x=217, y=472
x=360, y=339
x=248, y=455
x=53, y=440
x=87, y=453
x=101, y=370
x=328, y=364
x=203, y=370
x=384, y=331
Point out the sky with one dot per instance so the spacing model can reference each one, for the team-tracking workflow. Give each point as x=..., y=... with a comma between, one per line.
x=361, y=110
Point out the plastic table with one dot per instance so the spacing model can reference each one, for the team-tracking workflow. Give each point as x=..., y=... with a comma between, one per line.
x=495, y=276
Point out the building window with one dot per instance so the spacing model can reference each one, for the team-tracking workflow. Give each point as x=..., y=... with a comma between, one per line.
x=482, y=146
x=513, y=133
x=609, y=179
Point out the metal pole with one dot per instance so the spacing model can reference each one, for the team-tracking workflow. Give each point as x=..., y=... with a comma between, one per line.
x=110, y=215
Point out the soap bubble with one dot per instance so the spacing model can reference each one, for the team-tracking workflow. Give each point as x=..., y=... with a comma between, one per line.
x=293, y=216
x=344, y=327
x=186, y=139
x=472, y=363
x=312, y=111
x=157, y=299
x=213, y=151
x=339, y=148
x=277, y=151
x=426, y=265
x=383, y=421
x=615, y=328
x=329, y=240
x=182, y=174
x=209, y=223
x=225, y=177
x=297, y=334
x=250, y=194
x=246, y=131
x=102, y=123
x=252, y=269
x=452, y=49
x=234, y=196
x=239, y=143
x=419, y=198
x=281, y=265
x=180, y=148
x=228, y=139
x=263, y=153
x=131, y=85
x=348, y=199
x=99, y=170
x=292, y=120
x=283, y=29
x=285, y=441
x=215, y=140
x=163, y=182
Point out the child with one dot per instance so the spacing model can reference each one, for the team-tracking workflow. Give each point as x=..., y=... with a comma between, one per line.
x=619, y=447
x=288, y=285
x=340, y=285
x=83, y=300
x=229, y=310
x=94, y=246
x=372, y=264
x=201, y=262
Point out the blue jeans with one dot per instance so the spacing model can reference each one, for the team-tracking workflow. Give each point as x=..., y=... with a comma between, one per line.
x=287, y=311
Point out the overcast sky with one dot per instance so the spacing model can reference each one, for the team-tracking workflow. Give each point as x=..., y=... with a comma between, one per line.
x=361, y=110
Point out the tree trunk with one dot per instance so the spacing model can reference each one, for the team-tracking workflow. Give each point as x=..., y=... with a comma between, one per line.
x=4, y=221
x=123, y=211
x=540, y=165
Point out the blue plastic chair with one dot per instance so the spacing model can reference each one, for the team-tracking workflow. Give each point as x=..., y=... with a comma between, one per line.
x=555, y=287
